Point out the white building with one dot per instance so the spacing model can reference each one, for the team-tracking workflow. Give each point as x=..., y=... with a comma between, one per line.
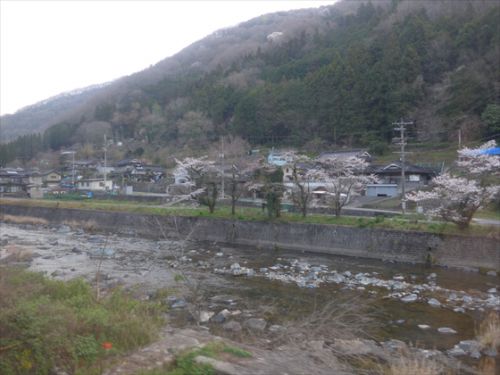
x=94, y=184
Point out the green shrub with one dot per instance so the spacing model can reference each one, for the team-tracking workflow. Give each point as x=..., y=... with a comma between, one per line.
x=46, y=324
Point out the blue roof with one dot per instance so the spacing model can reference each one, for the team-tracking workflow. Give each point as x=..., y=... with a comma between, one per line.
x=490, y=151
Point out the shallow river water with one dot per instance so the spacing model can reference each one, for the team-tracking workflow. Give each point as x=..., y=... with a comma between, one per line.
x=408, y=302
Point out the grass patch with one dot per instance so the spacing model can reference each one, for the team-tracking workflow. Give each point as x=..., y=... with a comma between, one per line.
x=185, y=363
x=46, y=323
x=488, y=213
x=408, y=223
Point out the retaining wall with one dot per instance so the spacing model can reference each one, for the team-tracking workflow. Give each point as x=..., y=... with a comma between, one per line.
x=417, y=247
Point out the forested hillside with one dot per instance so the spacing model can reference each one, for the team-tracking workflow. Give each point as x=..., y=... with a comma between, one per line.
x=336, y=75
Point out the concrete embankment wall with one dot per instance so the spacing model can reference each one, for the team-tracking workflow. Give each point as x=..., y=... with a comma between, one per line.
x=447, y=250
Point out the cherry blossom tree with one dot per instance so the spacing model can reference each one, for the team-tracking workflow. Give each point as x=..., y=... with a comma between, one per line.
x=478, y=163
x=202, y=174
x=457, y=198
x=343, y=178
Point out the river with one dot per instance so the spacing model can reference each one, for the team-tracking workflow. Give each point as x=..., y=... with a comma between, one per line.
x=407, y=302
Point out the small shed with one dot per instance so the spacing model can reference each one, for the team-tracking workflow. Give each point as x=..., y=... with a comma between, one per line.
x=381, y=190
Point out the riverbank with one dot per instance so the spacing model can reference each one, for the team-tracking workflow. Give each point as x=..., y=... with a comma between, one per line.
x=466, y=251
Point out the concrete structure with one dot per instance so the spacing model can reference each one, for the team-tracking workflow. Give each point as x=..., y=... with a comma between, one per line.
x=403, y=246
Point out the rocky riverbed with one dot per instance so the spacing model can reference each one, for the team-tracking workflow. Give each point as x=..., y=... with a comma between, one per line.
x=237, y=291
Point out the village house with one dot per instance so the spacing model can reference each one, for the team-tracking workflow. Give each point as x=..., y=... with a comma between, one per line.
x=94, y=184
x=390, y=179
x=51, y=178
x=278, y=158
x=34, y=182
x=12, y=181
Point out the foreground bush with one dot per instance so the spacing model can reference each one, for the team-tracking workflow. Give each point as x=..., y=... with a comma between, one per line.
x=47, y=324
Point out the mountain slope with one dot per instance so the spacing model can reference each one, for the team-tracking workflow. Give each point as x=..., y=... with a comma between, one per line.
x=340, y=74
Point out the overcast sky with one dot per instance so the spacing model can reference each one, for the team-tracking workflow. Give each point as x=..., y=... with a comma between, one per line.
x=49, y=47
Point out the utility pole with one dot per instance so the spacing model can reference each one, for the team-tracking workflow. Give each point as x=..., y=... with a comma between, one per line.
x=105, y=160
x=401, y=127
x=222, y=167
x=73, y=169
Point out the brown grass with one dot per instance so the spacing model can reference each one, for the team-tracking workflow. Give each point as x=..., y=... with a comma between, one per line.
x=405, y=366
x=86, y=225
x=489, y=331
x=411, y=364
x=23, y=220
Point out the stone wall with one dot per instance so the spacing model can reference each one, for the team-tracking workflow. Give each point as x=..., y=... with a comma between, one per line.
x=417, y=247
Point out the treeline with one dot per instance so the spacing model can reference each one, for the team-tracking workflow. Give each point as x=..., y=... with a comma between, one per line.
x=27, y=147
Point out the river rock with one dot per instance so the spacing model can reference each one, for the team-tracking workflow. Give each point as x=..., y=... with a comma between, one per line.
x=205, y=316
x=467, y=299
x=469, y=345
x=276, y=328
x=492, y=290
x=472, y=347
x=337, y=278
x=394, y=345
x=102, y=253
x=357, y=347
x=179, y=304
x=424, y=326
x=221, y=316
x=491, y=273
x=409, y=298
x=63, y=229
x=456, y=351
x=232, y=326
x=255, y=324
x=447, y=330
x=76, y=250
x=434, y=302
x=223, y=298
